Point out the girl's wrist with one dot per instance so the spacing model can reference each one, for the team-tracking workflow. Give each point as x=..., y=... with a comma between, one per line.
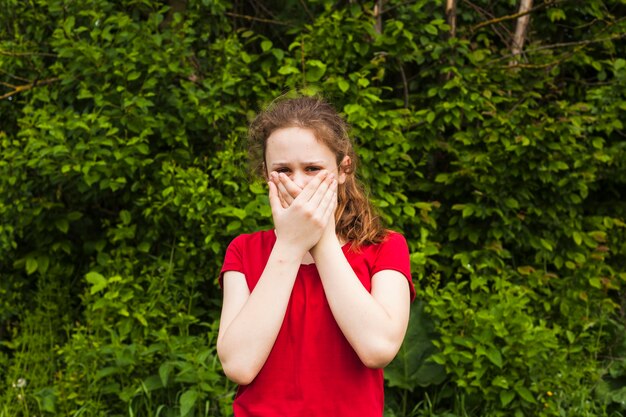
x=288, y=251
x=326, y=243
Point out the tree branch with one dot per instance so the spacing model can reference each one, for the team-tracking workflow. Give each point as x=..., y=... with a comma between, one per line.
x=257, y=19
x=563, y=45
x=486, y=13
x=14, y=76
x=405, y=85
x=306, y=9
x=515, y=16
x=21, y=88
x=7, y=84
x=22, y=54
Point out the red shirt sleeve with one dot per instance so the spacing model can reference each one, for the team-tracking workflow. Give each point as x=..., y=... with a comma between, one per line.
x=393, y=254
x=233, y=260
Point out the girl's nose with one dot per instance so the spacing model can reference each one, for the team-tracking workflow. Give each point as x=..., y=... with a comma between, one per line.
x=301, y=179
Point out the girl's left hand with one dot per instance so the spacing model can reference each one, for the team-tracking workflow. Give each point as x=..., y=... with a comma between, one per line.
x=287, y=189
x=287, y=192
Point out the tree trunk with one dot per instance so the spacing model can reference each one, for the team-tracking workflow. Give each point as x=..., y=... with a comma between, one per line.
x=520, y=29
x=451, y=14
x=378, y=11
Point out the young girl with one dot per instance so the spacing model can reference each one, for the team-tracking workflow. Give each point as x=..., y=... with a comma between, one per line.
x=314, y=309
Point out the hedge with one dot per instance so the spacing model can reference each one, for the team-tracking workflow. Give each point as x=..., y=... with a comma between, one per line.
x=123, y=177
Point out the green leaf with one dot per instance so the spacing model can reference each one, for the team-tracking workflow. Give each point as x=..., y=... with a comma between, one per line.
x=42, y=264
x=409, y=211
x=188, y=402
x=511, y=203
x=493, y=354
x=62, y=224
x=266, y=45
x=133, y=75
x=343, y=85
x=525, y=394
x=97, y=281
x=104, y=372
x=315, y=70
x=546, y=244
x=151, y=383
x=595, y=282
x=68, y=25
x=430, y=29
x=31, y=265
x=555, y=14
x=143, y=247
x=164, y=372
x=288, y=69
x=47, y=399
x=506, y=397
x=500, y=381
x=577, y=238
x=525, y=269
x=74, y=215
x=125, y=217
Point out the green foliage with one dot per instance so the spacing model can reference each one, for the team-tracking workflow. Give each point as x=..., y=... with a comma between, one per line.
x=123, y=177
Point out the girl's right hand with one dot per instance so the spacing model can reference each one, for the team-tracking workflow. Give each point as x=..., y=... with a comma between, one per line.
x=302, y=223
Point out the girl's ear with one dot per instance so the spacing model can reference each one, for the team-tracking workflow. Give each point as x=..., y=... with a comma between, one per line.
x=345, y=168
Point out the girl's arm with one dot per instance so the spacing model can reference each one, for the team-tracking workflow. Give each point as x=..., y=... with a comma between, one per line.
x=374, y=323
x=250, y=321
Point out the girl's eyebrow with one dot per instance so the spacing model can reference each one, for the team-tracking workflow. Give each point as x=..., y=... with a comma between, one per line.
x=303, y=163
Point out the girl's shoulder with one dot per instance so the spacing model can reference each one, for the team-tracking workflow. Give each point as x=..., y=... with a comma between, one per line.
x=255, y=239
x=391, y=238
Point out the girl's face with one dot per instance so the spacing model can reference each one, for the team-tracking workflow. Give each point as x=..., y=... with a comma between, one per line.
x=297, y=153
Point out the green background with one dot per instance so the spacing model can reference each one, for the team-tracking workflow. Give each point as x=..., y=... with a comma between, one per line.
x=123, y=177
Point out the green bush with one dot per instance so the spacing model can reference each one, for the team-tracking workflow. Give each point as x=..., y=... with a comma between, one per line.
x=123, y=177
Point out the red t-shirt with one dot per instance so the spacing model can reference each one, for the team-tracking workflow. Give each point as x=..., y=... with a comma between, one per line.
x=312, y=371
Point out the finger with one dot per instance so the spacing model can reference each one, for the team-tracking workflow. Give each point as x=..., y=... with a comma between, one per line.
x=283, y=202
x=273, y=177
x=275, y=203
x=311, y=188
x=291, y=187
x=322, y=191
x=284, y=193
x=329, y=215
x=329, y=201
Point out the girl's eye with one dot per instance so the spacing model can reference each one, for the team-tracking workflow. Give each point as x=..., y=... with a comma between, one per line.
x=313, y=168
x=284, y=170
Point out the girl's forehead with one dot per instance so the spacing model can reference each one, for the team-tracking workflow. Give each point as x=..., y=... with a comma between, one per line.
x=296, y=140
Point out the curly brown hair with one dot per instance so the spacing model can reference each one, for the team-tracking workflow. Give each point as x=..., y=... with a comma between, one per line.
x=355, y=218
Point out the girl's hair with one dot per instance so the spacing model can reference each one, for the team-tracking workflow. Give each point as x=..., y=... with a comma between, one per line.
x=355, y=218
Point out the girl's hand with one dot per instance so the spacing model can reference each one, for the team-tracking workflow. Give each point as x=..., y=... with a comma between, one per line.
x=302, y=223
x=288, y=191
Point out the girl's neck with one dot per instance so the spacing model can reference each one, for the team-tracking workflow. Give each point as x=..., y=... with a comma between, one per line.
x=307, y=259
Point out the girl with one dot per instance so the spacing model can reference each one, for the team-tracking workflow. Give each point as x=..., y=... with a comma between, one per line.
x=314, y=309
